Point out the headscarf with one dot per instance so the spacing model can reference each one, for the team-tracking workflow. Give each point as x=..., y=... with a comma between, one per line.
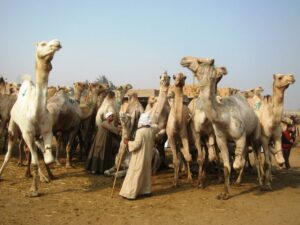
x=145, y=120
x=108, y=114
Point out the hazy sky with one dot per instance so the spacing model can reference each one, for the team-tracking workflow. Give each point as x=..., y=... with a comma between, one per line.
x=135, y=41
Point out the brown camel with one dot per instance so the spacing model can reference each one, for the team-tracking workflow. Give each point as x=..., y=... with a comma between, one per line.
x=177, y=127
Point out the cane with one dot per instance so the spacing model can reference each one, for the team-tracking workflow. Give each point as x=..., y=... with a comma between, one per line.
x=118, y=167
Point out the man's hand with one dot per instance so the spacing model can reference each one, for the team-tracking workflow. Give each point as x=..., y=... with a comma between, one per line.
x=125, y=141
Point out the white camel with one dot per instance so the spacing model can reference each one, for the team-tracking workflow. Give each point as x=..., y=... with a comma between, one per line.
x=30, y=114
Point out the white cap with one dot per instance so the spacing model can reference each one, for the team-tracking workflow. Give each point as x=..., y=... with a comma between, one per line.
x=145, y=120
x=108, y=114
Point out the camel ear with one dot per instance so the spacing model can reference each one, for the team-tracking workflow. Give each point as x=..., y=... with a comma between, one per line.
x=184, y=77
x=274, y=76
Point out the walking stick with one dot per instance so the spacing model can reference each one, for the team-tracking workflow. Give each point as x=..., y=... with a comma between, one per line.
x=118, y=167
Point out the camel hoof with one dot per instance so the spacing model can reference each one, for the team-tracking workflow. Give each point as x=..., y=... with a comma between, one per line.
x=266, y=188
x=20, y=164
x=175, y=185
x=223, y=196
x=33, y=194
x=68, y=166
x=28, y=175
x=57, y=163
x=44, y=179
x=201, y=186
x=237, y=184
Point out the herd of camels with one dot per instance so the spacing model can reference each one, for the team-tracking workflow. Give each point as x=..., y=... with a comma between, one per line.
x=33, y=113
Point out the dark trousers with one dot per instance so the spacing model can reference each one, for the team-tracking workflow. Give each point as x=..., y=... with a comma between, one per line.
x=286, y=155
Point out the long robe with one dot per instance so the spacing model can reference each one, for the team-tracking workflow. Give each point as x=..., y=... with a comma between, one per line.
x=138, y=177
x=103, y=149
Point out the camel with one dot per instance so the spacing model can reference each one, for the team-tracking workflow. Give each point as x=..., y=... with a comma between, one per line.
x=68, y=115
x=150, y=103
x=30, y=114
x=201, y=127
x=232, y=118
x=79, y=90
x=177, y=126
x=160, y=113
x=112, y=103
x=270, y=115
x=129, y=121
x=51, y=92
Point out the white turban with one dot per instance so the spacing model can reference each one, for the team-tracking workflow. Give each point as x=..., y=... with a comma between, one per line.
x=145, y=120
x=108, y=114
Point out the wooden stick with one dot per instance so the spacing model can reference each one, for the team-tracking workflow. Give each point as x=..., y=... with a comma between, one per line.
x=118, y=167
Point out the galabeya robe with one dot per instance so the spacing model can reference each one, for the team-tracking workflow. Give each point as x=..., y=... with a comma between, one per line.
x=138, y=177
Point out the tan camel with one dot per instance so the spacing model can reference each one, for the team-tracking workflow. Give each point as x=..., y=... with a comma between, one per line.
x=232, y=118
x=51, y=91
x=30, y=113
x=177, y=127
x=112, y=103
x=160, y=113
x=79, y=89
x=129, y=121
x=270, y=115
x=150, y=103
x=201, y=126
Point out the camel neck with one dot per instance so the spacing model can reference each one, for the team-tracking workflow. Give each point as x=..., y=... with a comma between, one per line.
x=277, y=101
x=161, y=101
x=41, y=92
x=211, y=106
x=178, y=103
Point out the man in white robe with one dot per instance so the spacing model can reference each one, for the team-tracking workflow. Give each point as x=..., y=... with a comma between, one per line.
x=138, y=177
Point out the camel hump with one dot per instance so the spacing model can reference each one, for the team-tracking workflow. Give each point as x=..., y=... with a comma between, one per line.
x=26, y=77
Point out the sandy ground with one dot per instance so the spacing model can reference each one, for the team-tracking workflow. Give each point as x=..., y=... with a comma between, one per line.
x=76, y=197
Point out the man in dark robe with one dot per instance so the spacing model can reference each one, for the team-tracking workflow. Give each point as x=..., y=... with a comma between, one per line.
x=105, y=146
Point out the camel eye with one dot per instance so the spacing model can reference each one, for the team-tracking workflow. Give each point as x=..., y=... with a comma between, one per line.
x=43, y=44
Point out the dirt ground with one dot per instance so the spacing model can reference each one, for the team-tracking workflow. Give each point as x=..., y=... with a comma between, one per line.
x=77, y=197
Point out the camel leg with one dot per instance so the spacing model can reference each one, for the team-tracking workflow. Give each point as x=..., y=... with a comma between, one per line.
x=12, y=137
x=58, y=145
x=176, y=161
x=239, y=159
x=222, y=144
x=29, y=140
x=47, y=150
x=68, y=148
x=257, y=158
x=267, y=164
x=241, y=171
x=28, y=156
x=21, y=144
x=201, y=158
x=278, y=148
x=212, y=155
x=187, y=155
x=40, y=145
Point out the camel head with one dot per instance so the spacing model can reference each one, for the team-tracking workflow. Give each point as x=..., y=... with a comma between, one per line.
x=152, y=100
x=164, y=79
x=258, y=91
x=282, y=81
x=80, y=86
x=203, y=68
x=45, y=52
x=221, y=71
x=125, y=120
x=179, y=80
x=96, y=88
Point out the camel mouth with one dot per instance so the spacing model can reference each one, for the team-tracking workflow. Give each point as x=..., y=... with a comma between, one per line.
x=184, y=62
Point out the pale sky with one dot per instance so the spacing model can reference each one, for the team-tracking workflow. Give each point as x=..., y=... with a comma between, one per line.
x=135, y=41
